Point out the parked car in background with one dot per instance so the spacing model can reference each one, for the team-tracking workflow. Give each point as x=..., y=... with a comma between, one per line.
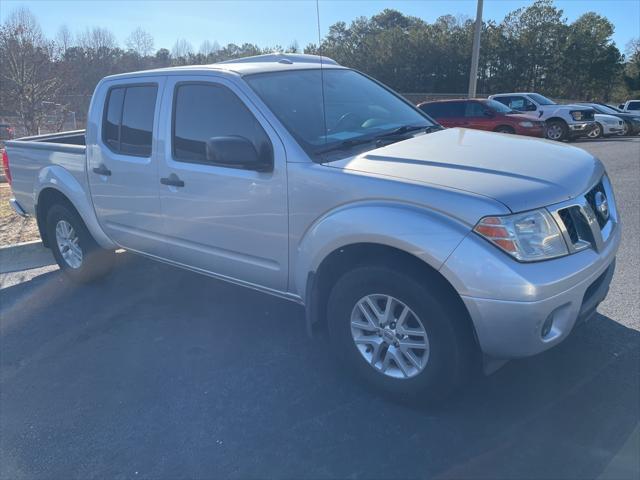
x=481, y=114
x=606, y=126
x=563, y=122
x=631, y=121
x=423, y=250
x=630, y=106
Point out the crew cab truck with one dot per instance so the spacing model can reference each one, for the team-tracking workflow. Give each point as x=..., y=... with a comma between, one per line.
x=424, y=251
x=564, y=122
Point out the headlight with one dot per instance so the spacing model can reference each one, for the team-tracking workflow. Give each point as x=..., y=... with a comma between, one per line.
x=577, y=115
x=528, y=236
x=526, y=124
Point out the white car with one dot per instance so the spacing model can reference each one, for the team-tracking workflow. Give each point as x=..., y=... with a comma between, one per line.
x=606, y=125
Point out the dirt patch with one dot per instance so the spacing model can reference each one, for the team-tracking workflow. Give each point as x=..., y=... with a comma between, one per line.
x=14, y=228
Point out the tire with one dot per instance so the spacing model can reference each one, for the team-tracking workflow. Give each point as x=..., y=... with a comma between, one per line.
x=596, y=132
x=76, y=252
x=557, y=130
x=626, y=128
x=446, y=360
x=504, y=129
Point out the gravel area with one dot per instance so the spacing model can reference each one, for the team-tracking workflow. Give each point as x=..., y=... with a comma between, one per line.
x=13, y=228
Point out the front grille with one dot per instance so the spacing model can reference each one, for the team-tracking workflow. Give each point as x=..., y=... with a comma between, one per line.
x=567, y=219
x=583, y=225
x=591, y=200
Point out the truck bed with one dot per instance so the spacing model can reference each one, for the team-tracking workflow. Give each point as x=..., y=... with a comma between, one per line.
x=29, y=156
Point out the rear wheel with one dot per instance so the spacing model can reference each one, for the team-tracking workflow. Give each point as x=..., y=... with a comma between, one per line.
x=625, y=129
x=557, y=130
x=397, y=334
x=596, y=132
x=73, y=247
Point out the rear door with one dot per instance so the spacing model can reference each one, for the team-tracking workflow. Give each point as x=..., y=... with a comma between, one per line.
x=476, y=117
x=454, y=112
x=227, y=221
x=122, y=160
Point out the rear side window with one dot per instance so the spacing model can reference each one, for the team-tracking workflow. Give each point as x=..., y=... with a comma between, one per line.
x=444, y=109
x=474, y=110
x=127, y=126
x=203, y=111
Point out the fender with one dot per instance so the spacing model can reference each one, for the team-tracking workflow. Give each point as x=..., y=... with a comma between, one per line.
x=60, y=179
x=428, y=235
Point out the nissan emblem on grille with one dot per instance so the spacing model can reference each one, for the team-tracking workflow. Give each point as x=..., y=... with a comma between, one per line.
x=602, y=206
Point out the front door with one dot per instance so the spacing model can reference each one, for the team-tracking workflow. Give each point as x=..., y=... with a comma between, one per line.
x=123, y=164
x=229, y=221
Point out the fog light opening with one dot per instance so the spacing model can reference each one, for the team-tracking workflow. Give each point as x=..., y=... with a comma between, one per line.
x=546, y=327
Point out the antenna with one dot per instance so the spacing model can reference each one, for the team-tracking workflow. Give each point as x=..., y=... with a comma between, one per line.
x=324, y=114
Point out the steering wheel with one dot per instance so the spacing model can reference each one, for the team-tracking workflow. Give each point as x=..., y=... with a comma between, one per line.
x=346, y=121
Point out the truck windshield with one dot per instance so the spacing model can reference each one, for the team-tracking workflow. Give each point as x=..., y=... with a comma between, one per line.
x=348, y=111
x=541, y=99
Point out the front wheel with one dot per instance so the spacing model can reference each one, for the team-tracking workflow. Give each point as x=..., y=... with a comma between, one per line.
x=596, y=132
x=557, y=130
x=505, y=129
x=396, y=333
x=73, y=247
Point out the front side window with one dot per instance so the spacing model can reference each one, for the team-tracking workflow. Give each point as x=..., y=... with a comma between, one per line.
x=326, y=108
x=497, y=106
x=204, y=111
x=127, y=127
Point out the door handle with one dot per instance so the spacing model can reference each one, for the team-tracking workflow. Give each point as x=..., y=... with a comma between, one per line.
x=102, y=170
x=172, y=180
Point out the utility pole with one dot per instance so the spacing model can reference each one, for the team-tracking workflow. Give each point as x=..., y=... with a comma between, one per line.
x=475, y=53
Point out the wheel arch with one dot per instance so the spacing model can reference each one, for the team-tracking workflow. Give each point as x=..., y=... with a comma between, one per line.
x=351, y=256
x=505, y=126
x=57, y=185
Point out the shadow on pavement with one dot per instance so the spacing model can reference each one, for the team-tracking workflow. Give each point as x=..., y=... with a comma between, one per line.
x=161, y=373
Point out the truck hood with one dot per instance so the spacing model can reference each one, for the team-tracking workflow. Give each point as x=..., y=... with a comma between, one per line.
x=520, y=172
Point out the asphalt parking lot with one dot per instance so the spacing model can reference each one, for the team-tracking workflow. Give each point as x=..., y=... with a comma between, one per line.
x=161, y=373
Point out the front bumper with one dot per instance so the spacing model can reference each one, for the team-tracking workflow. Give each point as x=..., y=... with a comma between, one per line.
x=509, y=302
x=580, y=129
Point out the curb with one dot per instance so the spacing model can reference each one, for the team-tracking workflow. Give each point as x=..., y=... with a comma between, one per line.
x=24, y=256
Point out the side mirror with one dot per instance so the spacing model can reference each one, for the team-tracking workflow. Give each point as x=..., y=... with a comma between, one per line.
x=238, y=152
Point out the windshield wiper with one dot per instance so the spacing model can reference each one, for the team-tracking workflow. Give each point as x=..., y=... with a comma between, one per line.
x=346, y=144
x=409, y=128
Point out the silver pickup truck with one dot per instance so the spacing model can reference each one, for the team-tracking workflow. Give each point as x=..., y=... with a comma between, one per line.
x=425, y=251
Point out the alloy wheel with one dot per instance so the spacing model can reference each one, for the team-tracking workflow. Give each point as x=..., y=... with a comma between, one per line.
x=389, y=336
x=554, y=132
x=68, y=244
x=596, y=132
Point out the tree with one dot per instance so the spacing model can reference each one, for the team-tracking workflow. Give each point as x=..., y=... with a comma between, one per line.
x=97, y=39
x=181, y=51
x=28, y=79
x=140, y=42
x=64, y=40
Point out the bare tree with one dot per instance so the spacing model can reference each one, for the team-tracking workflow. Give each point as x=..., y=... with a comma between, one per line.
x=207, y=48
x=140, y=42
x=97, y=38
x=28, y=80
x=181, y=49
x=293, y=47
x=64, y=40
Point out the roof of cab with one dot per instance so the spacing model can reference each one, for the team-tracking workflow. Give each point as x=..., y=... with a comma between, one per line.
x=272, y=62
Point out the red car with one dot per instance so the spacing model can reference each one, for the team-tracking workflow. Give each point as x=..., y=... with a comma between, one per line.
x=481, y=114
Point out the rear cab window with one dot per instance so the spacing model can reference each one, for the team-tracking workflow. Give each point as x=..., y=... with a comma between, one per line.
x=127, y=125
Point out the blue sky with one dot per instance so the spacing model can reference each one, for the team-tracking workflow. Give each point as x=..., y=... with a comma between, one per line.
x=269, y=23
